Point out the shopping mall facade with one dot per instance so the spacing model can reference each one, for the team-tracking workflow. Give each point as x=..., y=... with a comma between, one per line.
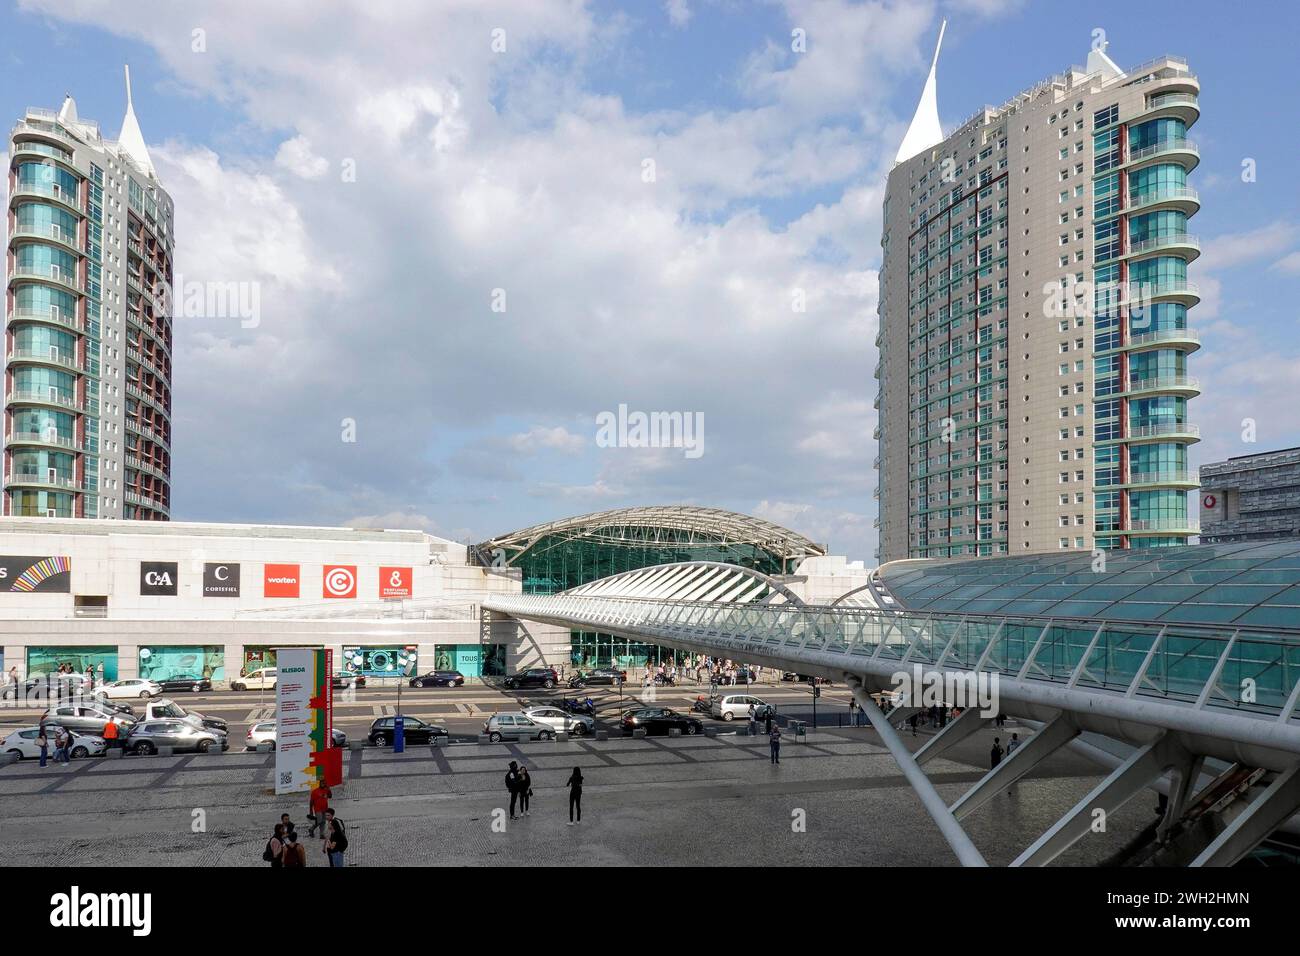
x=170, y=599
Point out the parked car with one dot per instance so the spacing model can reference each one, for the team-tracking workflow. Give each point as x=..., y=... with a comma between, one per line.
x=515, y=725
x=129, y=689
x=416, y=731
x=148, y=736
x=264, y=733
x=534, y=677
x=186, y=682
x=23, y=743
x=345, y=681
x=261, y=679
x=601, y=675
x=84, y=718
x=803, y=678
x=166, y=709
x=50, y=687
x=731, y=706
x=439, y=679
x=657, y=721
x=580, y=725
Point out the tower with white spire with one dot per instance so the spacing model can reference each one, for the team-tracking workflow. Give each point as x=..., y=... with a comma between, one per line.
x=1034, y=299
x=88, y=363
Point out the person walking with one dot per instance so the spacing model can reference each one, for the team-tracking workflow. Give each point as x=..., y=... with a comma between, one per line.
x=995, y=755
x=293, y=854
x=912, y=720
x=317, y=805
x=43, y=742
x=274, y=852
x=99, y=673
x=774, y=744
x=1012, y=744
x=62, y=743
x=753, y=721
x=767, y=722
x=512, y=785
x=109, y=734
x=525, y=791
x=574, y=783
x=336, y=839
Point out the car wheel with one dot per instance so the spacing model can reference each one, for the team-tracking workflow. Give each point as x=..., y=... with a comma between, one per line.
x=419, y=683
x=205, y=746
x=728, y=715
x=548, y=683
x=495, y=737
x=381, y=740
x=144, y=748
x=144, y=695
x=79, y=752
x=17, y=753
x=545, y=735
x=195, y=689
x=236, y=686
x=580, y=729
x=690, y=730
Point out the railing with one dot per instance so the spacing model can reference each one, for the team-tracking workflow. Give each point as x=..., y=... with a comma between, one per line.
x=47, y=192
x=23, y=438
x=1149, y=197
x=1164, y=524
x=1164, y=428
x=1167, y=476
x=1173, y=144
x=38, y=355
x=46, y=316
x=1165, y=335
x=44, y=398
x=1160, y=382
x=1161, y=100
x=44, y=149
x=1163, y=242
x=36, y=478
x=28, y=272
x=50, y=233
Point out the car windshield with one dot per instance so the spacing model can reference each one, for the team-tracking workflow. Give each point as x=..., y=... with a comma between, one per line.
x=169, y=710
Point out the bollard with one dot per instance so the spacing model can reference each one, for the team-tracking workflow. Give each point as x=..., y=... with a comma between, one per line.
x=639, y=732
x=484, y=739
x=265, y=747
x=355, y=745
x=674, y=731
x=166, y=751
x=562, y=737
x=114, y=753
x=441, y=741
x=602, y=735
x=710, y=731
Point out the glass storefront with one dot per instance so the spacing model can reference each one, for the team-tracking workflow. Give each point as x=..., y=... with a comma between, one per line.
x=46, y=660
x=170, y=663
x=376, y=661
x=472, y=660
x=591, y=649
x=255, y=657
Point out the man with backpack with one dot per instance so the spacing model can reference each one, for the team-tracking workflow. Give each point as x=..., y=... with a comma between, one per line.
x=336, y=839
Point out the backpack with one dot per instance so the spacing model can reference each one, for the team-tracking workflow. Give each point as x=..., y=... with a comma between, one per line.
x=267, y=855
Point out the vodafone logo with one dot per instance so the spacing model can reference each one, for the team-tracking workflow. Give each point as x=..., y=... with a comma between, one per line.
x=1209, y=501
x=340, y=581
x=395, y=582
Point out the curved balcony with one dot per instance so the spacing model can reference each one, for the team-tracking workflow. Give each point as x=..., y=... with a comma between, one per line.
x=1177, y=384
x=51, y=275
x=37, y=147
x=1189, y=247
x=1176, y=290
x=49, y=317
x=45, y=441
x=144, y=501
x=138, y=465
x=42, y=480
x=1183, y=198
x=47, y=233
x=49, y=191
x=1163, y=526
x=1175, y=103
x=45, y=398
x=145, y=431
x=1186, y=339
x=1163, y=478
x=1164, y=431
x=48, y=357
x=1182, y=151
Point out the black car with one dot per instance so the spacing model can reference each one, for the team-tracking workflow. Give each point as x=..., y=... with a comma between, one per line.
x=603, y=675
x=416, y=731
x=439, y=679
x=345, y=681
x=803, y=678
x=533, y=677
x=657, y=721
x=185, y=682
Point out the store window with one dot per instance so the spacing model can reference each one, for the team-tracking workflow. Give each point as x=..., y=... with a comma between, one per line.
x=182, y=662
x=48, y=660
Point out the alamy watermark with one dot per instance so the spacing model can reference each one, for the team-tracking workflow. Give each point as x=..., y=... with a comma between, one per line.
x=624, y=429
x=965, y=689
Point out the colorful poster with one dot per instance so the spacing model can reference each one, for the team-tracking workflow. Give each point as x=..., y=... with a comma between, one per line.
x=36, y=574
x=340, y=581
x=304, y=706
x=281, y=581
x=395, y=582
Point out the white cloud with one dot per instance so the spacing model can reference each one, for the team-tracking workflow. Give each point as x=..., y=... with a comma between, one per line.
x=1234, y=249
x=296, y=156
x=541, y=438
x=679, y=12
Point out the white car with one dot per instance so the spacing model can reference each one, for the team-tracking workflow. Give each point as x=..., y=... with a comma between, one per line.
x=261, y=679
x=731, y=706
x=561, y=722
x=23, y=743
x=264, y=733
x=131, y=689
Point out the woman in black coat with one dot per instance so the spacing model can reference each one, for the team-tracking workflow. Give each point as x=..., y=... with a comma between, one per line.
x=574, y=783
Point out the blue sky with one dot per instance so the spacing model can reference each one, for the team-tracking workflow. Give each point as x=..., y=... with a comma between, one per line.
x=521, y=170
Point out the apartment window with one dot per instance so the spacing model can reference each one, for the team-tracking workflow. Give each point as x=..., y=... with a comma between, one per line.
x=1064, y=521
x=1063, y=478
x=1065, y=542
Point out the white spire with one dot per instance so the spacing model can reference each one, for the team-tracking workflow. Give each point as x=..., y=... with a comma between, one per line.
x=925, y=130
x=131, y=139
x=1099, y=62
x=68, y=111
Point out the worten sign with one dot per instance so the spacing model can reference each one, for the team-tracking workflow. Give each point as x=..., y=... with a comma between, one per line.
x=281, y=580
x=220, y=580
x=305, y=757
x=159, y=578
x=28, y=575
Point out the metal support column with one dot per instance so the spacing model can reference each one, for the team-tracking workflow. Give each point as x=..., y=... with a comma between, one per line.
x=967, y=722
x=1056, y=734
x=1263, y=816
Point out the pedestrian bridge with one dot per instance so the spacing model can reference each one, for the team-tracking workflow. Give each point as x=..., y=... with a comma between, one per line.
x=1203, y=711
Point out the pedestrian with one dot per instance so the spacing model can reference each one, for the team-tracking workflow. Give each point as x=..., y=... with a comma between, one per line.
x=995, y=755
x=62, y=742
x=574, y=783
x=753, y=721
x=336, y=839
x=853, y=704
x=912, y=720
x=767, y=722
x=109, y=733
x=1012, y=744
x=774, y=742
x=525, y=791
x=99, y=673
x=317, y=805
x=274, y=852
x=43, y=742
x=293, y=854
x=512, y=784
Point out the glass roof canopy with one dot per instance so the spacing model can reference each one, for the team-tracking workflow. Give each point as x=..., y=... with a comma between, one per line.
x=1239, y=584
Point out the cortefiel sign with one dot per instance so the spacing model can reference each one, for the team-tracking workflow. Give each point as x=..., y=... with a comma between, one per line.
x=394, y=582
x=43, y=575
x=220, y=580
x=281, y=580
x=159, y=578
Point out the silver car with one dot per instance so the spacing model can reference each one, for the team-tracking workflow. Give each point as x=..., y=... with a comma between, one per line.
x=516, y=725
x=148, y=736
x=84, y=719
x=731, y=706
x=561, y=721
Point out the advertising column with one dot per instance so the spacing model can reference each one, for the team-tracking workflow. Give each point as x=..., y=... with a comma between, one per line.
x=304, y=756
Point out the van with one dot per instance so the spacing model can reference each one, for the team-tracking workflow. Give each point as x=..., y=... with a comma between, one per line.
x=261, y=679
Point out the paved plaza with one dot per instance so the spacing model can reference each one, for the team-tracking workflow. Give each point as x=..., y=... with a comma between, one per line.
x=656, y=801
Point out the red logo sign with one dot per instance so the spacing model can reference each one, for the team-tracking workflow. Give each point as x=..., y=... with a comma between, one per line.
x=281, y=580
x=1209, y=501
x=340, y=581
x=394, y=582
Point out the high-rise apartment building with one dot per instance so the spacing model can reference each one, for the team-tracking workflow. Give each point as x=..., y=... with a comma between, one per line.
x=88, y=329
x=1033, y=339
